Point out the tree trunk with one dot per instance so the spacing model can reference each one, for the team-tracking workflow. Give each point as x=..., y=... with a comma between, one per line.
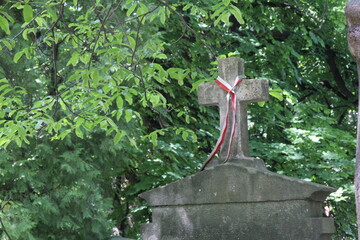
x=357, y=167
x=352, y=12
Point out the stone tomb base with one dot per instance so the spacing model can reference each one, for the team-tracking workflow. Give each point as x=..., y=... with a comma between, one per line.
x=231, y=201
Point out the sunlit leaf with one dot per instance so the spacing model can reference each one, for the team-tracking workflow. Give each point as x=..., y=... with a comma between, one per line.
x=4, y=25
x=27, y=13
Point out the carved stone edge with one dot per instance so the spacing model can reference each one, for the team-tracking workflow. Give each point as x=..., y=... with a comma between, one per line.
x=196, y=189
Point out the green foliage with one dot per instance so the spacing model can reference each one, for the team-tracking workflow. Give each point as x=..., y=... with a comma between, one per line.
x=98, y=103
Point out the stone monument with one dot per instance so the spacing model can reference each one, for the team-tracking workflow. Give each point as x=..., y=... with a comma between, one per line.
x=239, y=199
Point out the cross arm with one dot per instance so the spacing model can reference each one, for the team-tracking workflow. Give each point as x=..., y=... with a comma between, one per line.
x=253, y=90
x=208, y=94
x=249, y=90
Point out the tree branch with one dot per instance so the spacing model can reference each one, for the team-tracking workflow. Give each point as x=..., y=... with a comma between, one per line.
x=25, y=27
x=59, y=16
x=331, y=56
x=74, y=113
x=103, y=22
x=3, y=227
x=186, y=25
x=145, y=14
x=335, y=90
x=136, y=42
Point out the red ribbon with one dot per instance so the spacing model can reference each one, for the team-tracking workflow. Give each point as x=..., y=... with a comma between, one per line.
x=231, y=95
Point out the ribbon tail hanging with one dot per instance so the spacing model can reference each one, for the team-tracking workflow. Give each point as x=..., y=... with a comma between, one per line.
x=220, y=140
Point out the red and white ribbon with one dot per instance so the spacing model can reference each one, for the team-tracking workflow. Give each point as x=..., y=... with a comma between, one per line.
x=231, y=95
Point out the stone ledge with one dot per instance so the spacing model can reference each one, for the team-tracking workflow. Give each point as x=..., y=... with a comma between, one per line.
x=233, y=183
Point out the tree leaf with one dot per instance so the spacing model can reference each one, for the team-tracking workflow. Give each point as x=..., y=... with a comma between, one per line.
x=79, y=133
x=128, y=115
x=25, y=34
x=184, y=135
x=128, y=98
x=237, y=14
x=154, y=138
x=119, y=102
x=162, y=16
x=7, y=44
x=131, y=9
x=4, y=24
x=313, y=37
x=132, y=42
x=217, y=12
x=74, y=59
x=225, y=18
x=79, y=121
x=118, y=136
x=226, y=2
x=261, y=104
x=10, y=18
x=28, y=13
x=52, y=14
x=18, y=55
x=85, y=58
x=277, y=93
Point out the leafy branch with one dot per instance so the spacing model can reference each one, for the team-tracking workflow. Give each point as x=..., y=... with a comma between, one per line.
x=108, y=15
x=24, y=28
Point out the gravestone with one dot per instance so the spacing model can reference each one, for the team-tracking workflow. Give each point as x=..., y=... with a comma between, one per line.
x=239, y=199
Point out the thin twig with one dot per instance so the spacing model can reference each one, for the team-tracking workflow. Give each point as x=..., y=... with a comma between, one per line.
x=136, y=42
x=24, y=28
x=59, y=16
x=74, y=113
x=144, y=14
x=141, y=78
x=103, y=22
x=182, y=35
x=3, y=227
x=55, y=107
x=31, y=109
x=187, y=26
x=54, y=60
x=7, y=202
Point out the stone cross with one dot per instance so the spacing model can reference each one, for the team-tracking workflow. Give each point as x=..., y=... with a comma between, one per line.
x=249, y=90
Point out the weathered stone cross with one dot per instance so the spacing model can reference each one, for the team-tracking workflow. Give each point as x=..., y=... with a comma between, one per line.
x=249, y=90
